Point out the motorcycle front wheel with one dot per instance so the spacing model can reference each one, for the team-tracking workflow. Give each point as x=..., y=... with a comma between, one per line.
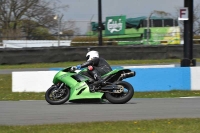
x=121, y=98
x=55, y=96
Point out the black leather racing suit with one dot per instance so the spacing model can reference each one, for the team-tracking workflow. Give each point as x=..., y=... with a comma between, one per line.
x=100, y=67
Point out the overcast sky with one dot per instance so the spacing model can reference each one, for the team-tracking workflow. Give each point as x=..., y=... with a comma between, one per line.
x=84, y=10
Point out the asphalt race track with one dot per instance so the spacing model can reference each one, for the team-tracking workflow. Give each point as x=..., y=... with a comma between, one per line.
x=40, y=112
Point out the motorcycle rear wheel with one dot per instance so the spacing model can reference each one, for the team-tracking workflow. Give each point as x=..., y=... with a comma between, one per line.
x=121, y=98
x=56, y=98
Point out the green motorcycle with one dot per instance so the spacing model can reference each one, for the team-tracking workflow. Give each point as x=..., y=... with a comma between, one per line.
x=72, y=86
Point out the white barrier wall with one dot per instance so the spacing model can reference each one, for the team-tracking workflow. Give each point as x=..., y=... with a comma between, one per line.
x=34, y=81
x=150, y=66
x=33, y=43
x=195, y=78
x=162, y=78
x=40, y=81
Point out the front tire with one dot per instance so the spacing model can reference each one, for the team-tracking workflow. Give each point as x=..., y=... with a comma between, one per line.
x=121, y=98
x=54, y=97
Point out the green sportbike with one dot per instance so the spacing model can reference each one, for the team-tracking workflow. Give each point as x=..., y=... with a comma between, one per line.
x=75, y=86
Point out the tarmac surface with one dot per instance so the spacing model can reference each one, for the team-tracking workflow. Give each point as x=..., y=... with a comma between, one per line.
x=40, y=112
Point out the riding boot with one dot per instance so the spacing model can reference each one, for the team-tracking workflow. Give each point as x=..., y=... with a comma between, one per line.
x=99, y=81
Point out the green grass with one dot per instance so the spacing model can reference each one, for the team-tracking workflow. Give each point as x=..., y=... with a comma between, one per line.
x=143, y=126
x=111, y=62
x=7, y=94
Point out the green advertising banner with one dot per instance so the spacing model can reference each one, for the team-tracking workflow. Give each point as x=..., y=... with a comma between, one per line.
x=115, y=25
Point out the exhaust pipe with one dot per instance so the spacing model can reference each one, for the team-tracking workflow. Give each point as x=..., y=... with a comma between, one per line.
x=127, y=75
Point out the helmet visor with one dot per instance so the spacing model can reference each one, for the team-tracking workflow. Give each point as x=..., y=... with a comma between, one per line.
x=87, y=57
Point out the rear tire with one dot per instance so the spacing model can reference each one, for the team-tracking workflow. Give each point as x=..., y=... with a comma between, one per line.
x=116, y=98
x=61, y=100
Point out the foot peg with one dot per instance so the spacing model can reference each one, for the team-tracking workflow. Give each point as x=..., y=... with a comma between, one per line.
x=92, y=88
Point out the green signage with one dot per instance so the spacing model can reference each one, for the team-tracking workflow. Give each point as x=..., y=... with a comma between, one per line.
x=115, y=25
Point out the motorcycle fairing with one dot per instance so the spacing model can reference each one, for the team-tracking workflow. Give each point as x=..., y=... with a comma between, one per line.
x=79, y=89
x=77, y=83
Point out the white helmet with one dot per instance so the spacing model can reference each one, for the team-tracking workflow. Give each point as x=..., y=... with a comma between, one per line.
x=92, y=54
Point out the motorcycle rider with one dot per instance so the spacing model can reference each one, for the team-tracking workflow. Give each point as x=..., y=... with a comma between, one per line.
x=97, y=66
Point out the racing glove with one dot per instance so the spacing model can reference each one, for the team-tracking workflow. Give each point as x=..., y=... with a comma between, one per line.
x=78, y=67
x=73, y=68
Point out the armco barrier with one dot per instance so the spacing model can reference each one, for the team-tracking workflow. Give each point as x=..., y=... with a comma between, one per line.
x=146, y=79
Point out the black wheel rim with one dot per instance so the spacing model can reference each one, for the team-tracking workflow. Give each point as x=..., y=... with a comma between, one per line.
x=57, y=95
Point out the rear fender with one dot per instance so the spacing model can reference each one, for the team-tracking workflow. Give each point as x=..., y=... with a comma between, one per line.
x=79, y=89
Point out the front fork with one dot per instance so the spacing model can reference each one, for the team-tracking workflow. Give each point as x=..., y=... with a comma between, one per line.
x=59, y=86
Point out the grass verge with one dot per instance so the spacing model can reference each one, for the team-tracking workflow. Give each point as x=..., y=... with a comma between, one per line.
x=144, y=126
x=111, y=62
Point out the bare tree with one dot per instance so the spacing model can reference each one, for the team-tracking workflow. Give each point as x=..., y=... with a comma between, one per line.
x=196, y=20
x=26, y=15
x=162, y=13
x=69, y=29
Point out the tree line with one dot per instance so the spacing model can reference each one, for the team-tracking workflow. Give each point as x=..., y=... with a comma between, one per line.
x=33, y=20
